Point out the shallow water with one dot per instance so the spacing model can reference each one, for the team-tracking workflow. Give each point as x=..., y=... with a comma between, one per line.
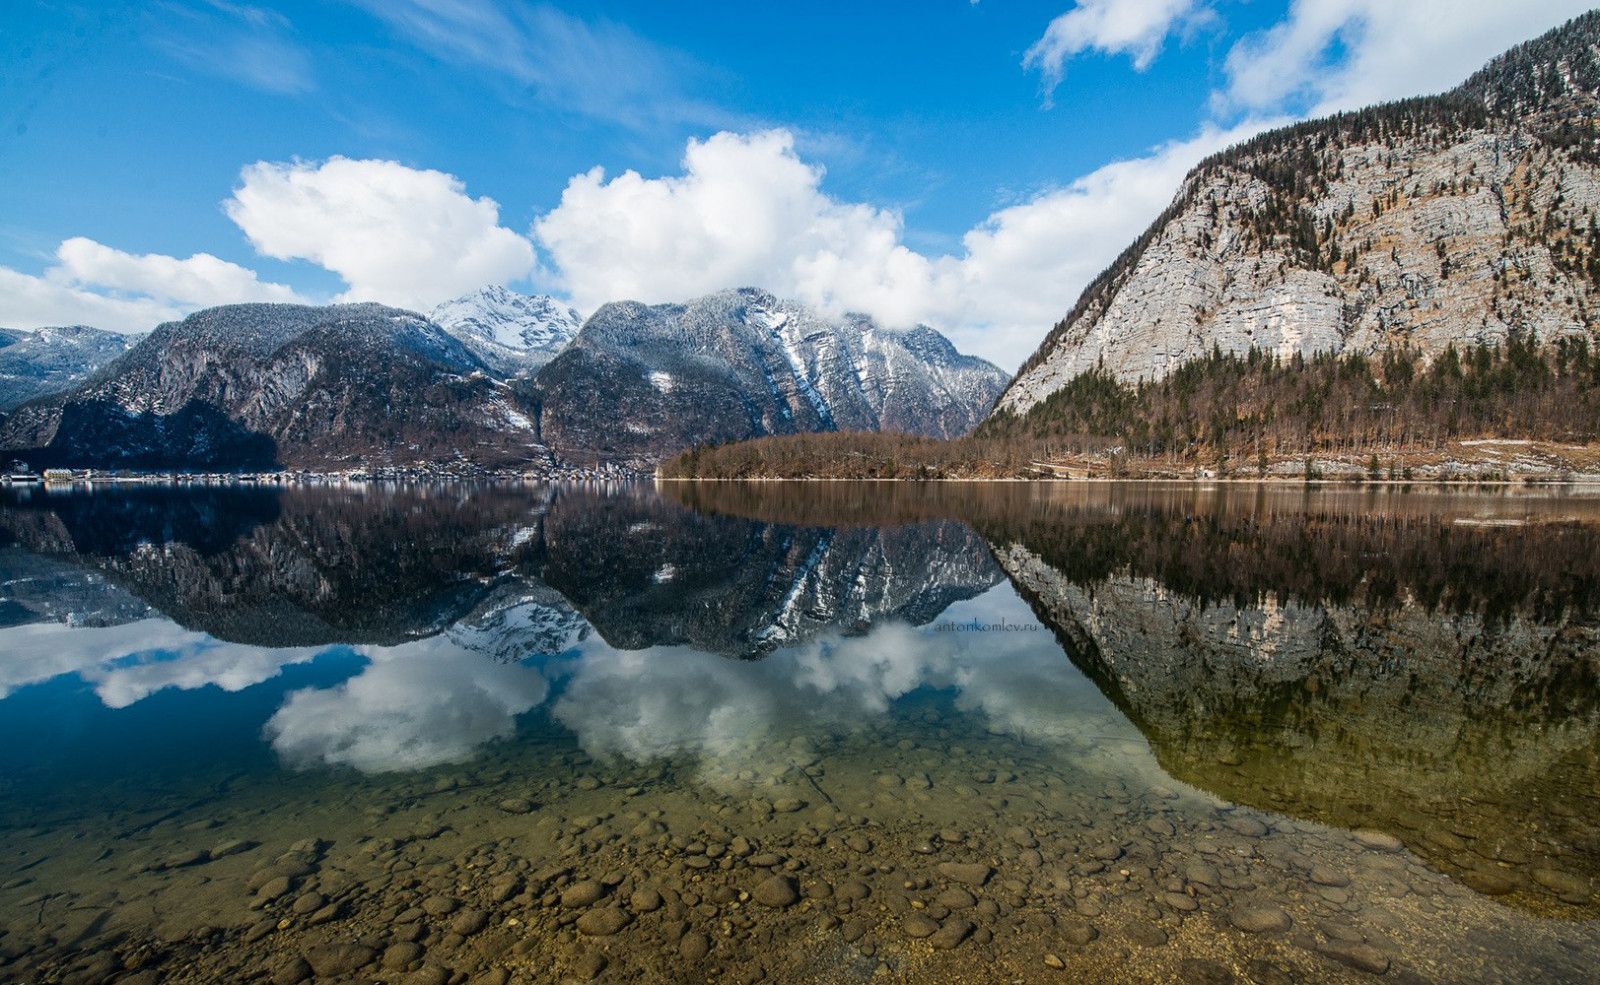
x=919, y=733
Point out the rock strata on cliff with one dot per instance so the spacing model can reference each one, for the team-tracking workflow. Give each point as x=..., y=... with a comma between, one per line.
x=1459, y=218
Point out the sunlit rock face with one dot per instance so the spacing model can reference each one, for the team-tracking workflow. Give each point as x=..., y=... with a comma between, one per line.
x=1462, y=716
x=1453, y=219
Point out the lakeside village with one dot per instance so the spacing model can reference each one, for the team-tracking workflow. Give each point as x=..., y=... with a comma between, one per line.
x=1476, y=463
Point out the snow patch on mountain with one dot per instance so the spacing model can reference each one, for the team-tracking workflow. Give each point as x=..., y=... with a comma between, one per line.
x=514, y=334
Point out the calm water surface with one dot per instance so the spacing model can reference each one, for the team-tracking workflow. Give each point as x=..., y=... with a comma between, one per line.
x=931, y=733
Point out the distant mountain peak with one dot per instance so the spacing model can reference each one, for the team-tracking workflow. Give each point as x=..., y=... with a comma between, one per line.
x=513, y=333
x=52, y=359
x=644, y=381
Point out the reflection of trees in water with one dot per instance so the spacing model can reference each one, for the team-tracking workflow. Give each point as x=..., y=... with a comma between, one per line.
x=1489, y=554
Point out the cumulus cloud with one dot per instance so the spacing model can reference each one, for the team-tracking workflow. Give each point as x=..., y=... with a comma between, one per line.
x=748, y=211
x=200, y=281
x=417, y=705
x=1133, y=27
x=395, y=234
x=27, y=301
x=1330, y=55
x=94, y=284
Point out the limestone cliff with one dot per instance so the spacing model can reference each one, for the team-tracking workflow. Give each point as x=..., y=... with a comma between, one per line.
x=1460, y=218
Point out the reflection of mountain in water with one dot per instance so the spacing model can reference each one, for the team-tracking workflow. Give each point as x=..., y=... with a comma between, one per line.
x=649, y=573
x=1383, y=668
x=504, y=570
x=289, y=568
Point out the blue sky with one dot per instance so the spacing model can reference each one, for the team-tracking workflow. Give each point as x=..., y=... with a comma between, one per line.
x=966, y=164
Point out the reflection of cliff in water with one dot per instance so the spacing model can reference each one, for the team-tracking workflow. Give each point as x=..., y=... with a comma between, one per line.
x=1428, y=670
x=506, y=570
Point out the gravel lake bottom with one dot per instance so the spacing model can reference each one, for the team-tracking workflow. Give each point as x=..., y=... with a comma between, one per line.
x=946, y=768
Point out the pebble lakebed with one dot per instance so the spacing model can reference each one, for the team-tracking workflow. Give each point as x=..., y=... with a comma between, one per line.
x=920, y=847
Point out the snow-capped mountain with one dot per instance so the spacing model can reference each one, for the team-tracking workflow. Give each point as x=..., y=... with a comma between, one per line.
x=641, y=382
x=50, y=360
x=514, y=334
x=272, y=385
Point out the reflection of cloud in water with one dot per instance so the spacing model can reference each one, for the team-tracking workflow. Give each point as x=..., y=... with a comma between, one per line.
x=417, y=705
x=737, y=716
x=132, y=661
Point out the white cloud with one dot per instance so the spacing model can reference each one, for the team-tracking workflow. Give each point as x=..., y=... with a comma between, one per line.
x=395, y=234
x=94, y=284
x=739, y=719
x=417, y=705
x=1330, y=55
x=748, y=211
x=201, y=281
x=27, y=301
x=1133, y=27
x=129, y=662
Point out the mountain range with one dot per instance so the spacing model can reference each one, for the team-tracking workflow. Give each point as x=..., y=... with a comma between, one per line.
x=49, y=360
x=269, y=386
x=641, y=382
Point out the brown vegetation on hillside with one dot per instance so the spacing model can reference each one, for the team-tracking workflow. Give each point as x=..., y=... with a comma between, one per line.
x=1224, y=414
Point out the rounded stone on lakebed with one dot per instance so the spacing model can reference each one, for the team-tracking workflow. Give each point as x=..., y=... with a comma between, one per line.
x=1378, y=841
x=694, y=946
x=969, y=873
x=399, y=957
x=585, y=893
x=1078, y=932
x=919, y=925
x=1259, y=918
x=603, y=922
x=776, y=892
x=1362, y=957
x=951, y=933
x=438, y=906
x=335, y=960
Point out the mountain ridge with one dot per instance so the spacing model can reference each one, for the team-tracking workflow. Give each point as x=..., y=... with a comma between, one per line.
x=1456, y=218
x=742, y=363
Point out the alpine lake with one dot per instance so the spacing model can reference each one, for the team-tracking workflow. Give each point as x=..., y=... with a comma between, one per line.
x=900, y=732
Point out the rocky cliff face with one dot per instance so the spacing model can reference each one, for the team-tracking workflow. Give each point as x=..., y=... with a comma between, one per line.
x=49, y=360
x=642, y=382
x=268, y=386
x=514, y=334
x=1456, y=219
